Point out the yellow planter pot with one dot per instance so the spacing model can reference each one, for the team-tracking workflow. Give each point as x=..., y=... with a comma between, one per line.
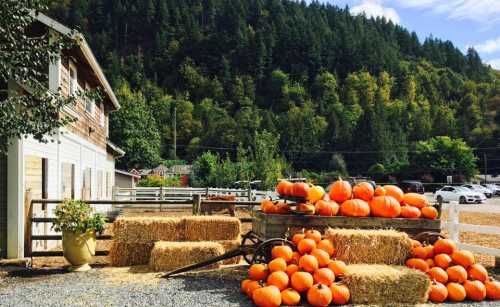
x=79, y=248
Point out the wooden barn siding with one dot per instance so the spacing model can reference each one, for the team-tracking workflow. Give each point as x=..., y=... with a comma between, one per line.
x=3, y=206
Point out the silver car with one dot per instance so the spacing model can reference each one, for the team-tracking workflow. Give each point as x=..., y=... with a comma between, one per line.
x=462, y=195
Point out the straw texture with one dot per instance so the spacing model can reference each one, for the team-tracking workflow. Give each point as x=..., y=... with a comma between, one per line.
x=148, y=229
x=370, y=246
x=386, y=285
x=167, y=256
x=211, y=228
x=127, y=254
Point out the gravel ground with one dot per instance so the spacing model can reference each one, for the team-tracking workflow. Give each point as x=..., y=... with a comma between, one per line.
x=124, y=287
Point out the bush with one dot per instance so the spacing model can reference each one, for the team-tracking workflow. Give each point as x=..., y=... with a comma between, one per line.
x=77, y=216
x=158, y=181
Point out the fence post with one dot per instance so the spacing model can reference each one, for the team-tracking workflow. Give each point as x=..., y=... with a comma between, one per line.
x=207, y=190
x=196, y=204
x=28, y=215
x=250, y=193
x=453, y=216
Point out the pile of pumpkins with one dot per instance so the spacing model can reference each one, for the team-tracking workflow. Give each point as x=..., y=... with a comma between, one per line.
x=305, y=275
x=362, y=200
x=454, y=273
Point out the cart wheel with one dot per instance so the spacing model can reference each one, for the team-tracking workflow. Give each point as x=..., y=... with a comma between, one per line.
x=429, y=237
x=250, y=238
x=263, y=252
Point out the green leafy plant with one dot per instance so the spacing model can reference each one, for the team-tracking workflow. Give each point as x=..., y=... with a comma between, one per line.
x=77, y=216
x=158, y=181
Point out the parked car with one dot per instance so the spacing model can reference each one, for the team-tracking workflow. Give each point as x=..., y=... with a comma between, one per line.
x=495, y=188
x=480, y=189
x=461, y=194
x=412, y=186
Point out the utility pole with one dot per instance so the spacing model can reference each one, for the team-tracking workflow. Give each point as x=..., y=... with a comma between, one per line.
x=485, y=168
x=175, y=133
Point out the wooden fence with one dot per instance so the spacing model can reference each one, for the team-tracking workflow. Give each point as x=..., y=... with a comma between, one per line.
x=182, y=193
x=454, y=227
x=196, y=203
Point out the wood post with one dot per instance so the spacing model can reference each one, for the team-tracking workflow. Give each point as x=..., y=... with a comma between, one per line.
x=497, y=262
x=28, y=215
x=250, y=193
x=207, y=190
x=196, y=204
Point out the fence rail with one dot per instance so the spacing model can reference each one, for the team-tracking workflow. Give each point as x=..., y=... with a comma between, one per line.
x=454, y=227
x=177, y=193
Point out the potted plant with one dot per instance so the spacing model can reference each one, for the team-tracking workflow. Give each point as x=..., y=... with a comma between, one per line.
x=79, y=224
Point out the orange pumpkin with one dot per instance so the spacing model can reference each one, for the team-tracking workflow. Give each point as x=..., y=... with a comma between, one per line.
x=430, y=212
x=282, y=251
x=444, y=246
x=355, y=207
x=410, y=212
x=295, y=258
x=291, y=268
x=251, y=287
x=279, y=279
x=419, y=252
x=290, y=297
x=417, y=263
x=277, y=264
x=430, y=262
x=308, y=263
x=322, y=257
x=385, y=206
x=442, y=260
x=457, y=273
x=319, y=295
x=244, y=285
x=326, y=208
x=313, y=234
x=306, y=208
x=463, y=257
x=415, y=200
x=306, y=246
x=456, y=292
x=438, y=293
x=324, y=276
x=302, y=281
x=340, y=191
x=300, y=189
x=379, y=191
x=338, y=267
x=327, y=246
x=364, y=191
x=438, y=274
x=394, y=191
x=282, y=208
x=297, y=237
x=267, y=206
x=475, y=290
x=477, y=272
x=315, y=193
x=269, y=296
x=492, y=289
x=430, y=251
x=340, y=294
x=284, y=188
x=258, y=271
x=414, y=243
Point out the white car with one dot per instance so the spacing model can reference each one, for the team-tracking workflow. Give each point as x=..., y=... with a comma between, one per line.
x=480, y=189
x=493, y=187
x=461, y=194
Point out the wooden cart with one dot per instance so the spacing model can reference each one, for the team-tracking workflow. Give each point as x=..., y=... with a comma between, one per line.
x=276, y=226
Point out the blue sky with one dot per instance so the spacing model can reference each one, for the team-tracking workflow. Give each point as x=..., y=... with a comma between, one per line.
x=464, y=22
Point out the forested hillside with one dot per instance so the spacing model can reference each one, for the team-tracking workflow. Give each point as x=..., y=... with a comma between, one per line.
x=329, y=86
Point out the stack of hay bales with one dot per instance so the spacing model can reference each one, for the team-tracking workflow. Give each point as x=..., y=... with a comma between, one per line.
x=167, y=242
x=375, y=274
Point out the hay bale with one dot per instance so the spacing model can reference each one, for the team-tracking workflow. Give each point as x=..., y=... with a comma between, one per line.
x=211, y=228
x=370, y=246
x=229, y=245
x=148, y=229
x=167, y=256
x=127, y=254
x=386, y=285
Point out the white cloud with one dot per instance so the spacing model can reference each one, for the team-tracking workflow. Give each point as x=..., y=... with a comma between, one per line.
x=374, y=8
x=489, y=46
x=482, y=11
x=495, y=63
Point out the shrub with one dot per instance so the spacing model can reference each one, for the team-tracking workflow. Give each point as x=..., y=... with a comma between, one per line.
x=158, y=181
x=77, y=216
